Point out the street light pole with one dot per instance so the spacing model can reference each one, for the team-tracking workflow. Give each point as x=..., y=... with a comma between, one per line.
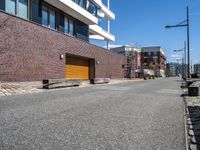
x=188, y=41
x=187, y=24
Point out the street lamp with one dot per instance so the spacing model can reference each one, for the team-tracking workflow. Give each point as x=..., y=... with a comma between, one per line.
x=184, y=23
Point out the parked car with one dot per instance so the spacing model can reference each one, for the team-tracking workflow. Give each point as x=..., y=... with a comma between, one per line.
x=145, y=73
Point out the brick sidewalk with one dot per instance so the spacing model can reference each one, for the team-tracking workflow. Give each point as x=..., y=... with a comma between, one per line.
x=16, y=88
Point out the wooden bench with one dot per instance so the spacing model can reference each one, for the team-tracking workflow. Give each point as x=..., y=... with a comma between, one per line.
x=59, y=83
x=99, y=80
x=194, y=89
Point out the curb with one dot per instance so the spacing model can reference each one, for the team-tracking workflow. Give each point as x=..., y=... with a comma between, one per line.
x=185, y=125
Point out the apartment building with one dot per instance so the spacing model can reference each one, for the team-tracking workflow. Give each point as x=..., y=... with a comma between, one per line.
x=42, y=39
x=153, y=58
x=128, y=50
x=133, y=55
x=197, y=68
x=174, y=68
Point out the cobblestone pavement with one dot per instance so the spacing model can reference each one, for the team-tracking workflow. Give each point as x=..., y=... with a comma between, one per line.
x=14, y=88
x=193, y=121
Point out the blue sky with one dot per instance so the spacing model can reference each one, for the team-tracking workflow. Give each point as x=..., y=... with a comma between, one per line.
x=143, y=21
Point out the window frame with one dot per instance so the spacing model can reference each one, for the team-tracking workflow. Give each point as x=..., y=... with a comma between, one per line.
x=49, y=8
x=73, y=24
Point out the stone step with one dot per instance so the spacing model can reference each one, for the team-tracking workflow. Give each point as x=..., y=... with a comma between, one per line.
x=99, y=80
x=194, y=89
x=59, y=83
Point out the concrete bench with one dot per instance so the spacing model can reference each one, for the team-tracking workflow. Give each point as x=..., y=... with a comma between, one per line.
x=100, y=80
x=194, y=89
x=58, y=83
x=191, y=81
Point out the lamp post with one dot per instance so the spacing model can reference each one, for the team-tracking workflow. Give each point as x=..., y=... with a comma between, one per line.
x=185, y=23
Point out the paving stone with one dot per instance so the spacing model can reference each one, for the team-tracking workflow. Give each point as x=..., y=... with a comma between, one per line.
x=193, y=140
x=189, y=122
x=191, y=133
x=193, y=147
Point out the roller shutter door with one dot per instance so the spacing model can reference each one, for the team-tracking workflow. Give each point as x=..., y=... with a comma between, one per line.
x=77, y=68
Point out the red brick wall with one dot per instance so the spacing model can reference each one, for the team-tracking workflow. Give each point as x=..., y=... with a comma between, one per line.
x=30, y=52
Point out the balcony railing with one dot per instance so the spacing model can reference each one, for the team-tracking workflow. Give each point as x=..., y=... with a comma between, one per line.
x=87, y=5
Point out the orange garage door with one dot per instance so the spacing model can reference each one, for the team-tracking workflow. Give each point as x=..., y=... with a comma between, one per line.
x=77, y=68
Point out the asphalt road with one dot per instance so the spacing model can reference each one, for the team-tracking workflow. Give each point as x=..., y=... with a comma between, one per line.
x=145, y=115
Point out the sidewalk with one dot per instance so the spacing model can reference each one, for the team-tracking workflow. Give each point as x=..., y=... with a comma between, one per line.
x=17, y=88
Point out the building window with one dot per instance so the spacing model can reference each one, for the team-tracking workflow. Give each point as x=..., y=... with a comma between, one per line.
x=66, y=26
x=48, y=17
x=17, y=7
x=92, y=8
x=79, y=2
x=11, y=6
x=145, y=60
x=52, y=19
x=44, y=16
x=155, y=61
x=69, y=26
x=23, y=9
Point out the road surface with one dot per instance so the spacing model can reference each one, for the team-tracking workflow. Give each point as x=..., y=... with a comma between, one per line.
x=144, y=115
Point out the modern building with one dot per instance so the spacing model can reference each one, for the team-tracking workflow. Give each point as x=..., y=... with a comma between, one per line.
x=175, y=69
x=42, y=39
x=197, y=68
x=133, y=55
x=128, y=50
x=153, y=58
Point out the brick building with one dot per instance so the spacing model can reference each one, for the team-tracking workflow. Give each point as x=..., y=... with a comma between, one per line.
x=45, y=39
x=133, y=57
x=153, y=58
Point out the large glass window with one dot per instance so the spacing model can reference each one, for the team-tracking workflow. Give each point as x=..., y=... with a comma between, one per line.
x=44, y=16
x=92, y=8
x=48, y=17
x=79, y=2
x=66, y=26
x=23, y=9
x=52, y=20
x=71, y=27
x=11, y=6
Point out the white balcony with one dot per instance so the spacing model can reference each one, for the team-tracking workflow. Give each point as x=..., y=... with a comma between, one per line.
x=109, y=14
x=97, y=32
x=73, y=9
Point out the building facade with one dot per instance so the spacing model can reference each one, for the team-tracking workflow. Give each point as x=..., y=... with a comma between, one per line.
x=197, y=68
x=47, y=39
x=175, y=69
x=133, y=55
x=153, y=58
